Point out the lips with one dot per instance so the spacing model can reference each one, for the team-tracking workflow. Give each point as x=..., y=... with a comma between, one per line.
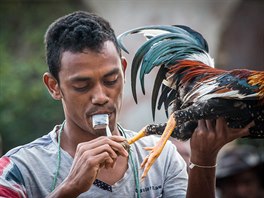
x=90, y=116
x=97, y=110
x=101, y=112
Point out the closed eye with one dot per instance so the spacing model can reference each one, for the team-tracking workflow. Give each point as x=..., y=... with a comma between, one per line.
x=82, y=89
x=111, y=80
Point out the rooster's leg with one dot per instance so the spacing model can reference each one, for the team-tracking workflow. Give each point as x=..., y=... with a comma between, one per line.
x=156, y=150
x=139, y=135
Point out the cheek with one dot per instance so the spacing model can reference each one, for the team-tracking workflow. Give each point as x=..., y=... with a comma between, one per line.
x=120, y=99
x=75, y=104
x=118, y=96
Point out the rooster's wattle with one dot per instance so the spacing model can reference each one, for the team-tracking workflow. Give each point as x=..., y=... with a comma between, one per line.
x=191, y=85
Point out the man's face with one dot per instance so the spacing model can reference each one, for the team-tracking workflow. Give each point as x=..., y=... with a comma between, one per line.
x=91, y=83
x=242, y=185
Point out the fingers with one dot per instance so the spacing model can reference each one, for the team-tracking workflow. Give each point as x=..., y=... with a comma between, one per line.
x=90, y=157
x=103, y=148
x=220, y=130
x=207, y=125
x=118, y=145
x=237, y=133
x=210, y=125
x=104, y=160
x=101, y=152
x=245, y=130
x=101, y=160
x=210, y=136
x=111, y=145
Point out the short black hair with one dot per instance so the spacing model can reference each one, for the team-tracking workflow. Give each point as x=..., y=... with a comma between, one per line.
x=76, y=32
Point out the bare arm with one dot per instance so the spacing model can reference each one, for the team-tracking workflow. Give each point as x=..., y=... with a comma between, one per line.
x=208, y=138
x=89, y=158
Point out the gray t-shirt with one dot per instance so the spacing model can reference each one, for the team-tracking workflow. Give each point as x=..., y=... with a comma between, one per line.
x=29, y=170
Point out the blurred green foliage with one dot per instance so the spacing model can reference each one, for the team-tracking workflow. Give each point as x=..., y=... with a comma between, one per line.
x=27, y=111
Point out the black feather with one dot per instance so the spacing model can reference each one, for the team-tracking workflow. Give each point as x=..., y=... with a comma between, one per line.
x=158, y=82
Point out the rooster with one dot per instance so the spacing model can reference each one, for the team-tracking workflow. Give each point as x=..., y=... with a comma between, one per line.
x=188, y=83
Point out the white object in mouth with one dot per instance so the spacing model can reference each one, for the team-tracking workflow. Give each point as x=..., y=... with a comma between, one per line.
x=108, y=132
x=101, y=121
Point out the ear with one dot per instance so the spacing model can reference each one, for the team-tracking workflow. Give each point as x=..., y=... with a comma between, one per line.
x=124, y=63
x=52, y=86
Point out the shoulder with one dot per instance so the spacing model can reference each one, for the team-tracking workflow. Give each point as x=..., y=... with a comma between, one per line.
x=32, y=155
x=20, y=162
x=40, y=142
x=43, y=143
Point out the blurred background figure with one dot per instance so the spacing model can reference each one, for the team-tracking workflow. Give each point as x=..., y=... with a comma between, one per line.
x=240, y=172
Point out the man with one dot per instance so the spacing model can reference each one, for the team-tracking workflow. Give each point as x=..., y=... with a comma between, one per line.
x=240, y=173
x=86, y=72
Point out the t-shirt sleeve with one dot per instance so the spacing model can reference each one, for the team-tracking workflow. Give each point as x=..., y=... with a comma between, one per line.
x=11, y=180
x=176, y=180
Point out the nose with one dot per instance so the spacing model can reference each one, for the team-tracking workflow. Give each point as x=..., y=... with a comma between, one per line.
x=99, y=96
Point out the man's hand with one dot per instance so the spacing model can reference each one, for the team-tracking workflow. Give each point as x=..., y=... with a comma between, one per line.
x=210, y=136
x=90, y=156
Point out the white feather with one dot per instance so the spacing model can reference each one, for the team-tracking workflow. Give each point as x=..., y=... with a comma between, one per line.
x=234, y=94
x=200, y=91
x=153, y=32
x=202, y=57
x=203, y=89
